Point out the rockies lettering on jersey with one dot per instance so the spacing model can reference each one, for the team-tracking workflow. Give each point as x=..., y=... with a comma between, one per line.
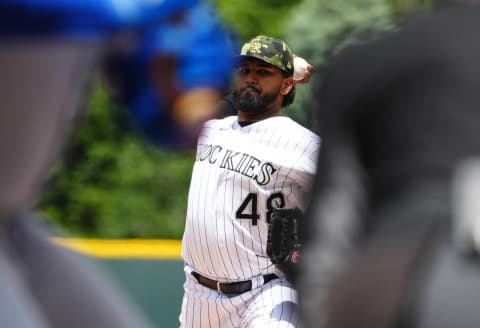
x=235, y=161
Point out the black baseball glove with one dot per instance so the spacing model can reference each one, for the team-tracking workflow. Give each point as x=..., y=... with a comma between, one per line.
x=283, y=243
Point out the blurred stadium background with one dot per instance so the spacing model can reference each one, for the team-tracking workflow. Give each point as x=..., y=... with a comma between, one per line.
x=149, y=271
x=120, y=195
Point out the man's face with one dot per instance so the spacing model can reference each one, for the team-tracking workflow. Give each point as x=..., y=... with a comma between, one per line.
x=258, y=87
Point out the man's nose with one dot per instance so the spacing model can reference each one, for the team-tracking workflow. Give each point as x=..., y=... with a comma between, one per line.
x=251, y=78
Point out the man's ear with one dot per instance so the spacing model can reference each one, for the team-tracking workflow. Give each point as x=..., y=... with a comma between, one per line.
x=287, y=85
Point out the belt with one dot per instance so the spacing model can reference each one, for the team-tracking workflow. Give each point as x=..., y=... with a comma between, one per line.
x=237, y=287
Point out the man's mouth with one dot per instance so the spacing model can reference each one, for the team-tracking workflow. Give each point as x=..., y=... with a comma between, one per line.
x=250, y=89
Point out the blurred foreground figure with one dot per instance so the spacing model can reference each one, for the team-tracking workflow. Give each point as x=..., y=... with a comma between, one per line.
x=394, y=225
x=49, y=51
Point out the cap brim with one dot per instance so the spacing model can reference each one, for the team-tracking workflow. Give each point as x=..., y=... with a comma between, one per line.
x=238, y=60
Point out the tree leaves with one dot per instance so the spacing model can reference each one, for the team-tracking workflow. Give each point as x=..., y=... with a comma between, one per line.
x=111, y=184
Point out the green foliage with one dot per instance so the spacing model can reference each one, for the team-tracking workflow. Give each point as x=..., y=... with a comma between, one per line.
x=402, y=7
x=112, y=185
x=251, y=17
x=319, y=25
x=320, y=28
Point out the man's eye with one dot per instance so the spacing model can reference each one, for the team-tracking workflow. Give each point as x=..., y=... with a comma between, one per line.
x=243, y=71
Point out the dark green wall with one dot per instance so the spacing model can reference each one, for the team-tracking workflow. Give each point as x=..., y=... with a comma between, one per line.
x=155, y=285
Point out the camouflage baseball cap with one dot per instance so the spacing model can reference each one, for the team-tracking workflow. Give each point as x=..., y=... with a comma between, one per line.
x=270, y=50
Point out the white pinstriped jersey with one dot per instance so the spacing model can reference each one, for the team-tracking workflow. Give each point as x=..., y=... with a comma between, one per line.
x=240, y=173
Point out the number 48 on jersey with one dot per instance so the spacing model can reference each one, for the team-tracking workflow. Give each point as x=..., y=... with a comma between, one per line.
x=249, y=210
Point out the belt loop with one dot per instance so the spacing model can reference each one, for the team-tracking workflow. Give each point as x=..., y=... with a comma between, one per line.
x=257, y=282
x=188, y=269
x=219, y=290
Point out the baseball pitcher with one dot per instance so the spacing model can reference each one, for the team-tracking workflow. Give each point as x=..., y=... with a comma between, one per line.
x=248, y=168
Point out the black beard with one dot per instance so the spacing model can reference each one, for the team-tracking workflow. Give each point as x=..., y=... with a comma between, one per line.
x=244, y=100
